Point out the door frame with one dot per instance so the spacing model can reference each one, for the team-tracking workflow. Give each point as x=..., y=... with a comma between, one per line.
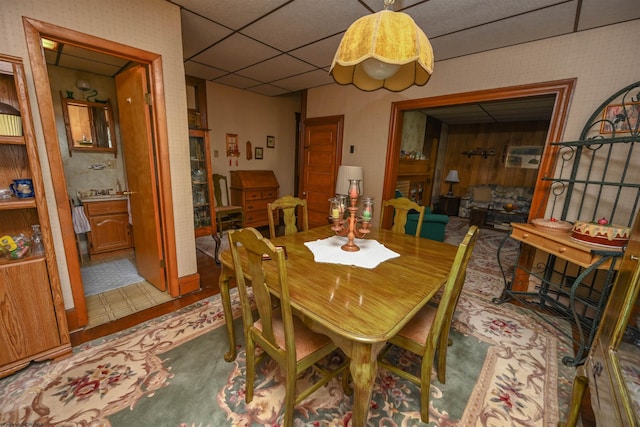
x=34, y=31
x=563, y=91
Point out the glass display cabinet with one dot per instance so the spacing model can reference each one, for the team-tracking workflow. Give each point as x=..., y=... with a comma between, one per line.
x=201, y=185
x=204, y=220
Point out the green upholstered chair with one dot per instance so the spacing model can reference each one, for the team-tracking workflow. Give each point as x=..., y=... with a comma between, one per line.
x=433, y=225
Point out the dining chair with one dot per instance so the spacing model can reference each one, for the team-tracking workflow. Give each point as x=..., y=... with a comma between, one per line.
x=287, y=205
x=402, y=206
x=427, y=333
x=227, y=216
x=277, y=331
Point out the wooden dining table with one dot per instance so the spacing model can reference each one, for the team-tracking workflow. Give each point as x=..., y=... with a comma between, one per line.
x=358, y=308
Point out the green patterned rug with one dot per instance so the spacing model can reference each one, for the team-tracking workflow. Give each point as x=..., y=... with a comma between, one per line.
x=503, y=369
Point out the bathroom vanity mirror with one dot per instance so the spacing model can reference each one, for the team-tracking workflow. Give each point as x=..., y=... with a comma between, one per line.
x=90, y=126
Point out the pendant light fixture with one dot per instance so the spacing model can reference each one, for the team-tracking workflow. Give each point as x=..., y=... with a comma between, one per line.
x=383, y=50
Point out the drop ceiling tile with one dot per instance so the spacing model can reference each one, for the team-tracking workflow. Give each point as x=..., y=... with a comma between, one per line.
x=538, y=25
x=276, y=68
x=268, y=90
x=237, y=81
x=232, y=13
x=306, y=80
x=305, y=21
x=320, y=53
x=596, y=13
x=378, y=5
x=438, y=17
x=199, y=33
x=202, y=71
x=90, y=55
x=82, y=64
x=235, y=53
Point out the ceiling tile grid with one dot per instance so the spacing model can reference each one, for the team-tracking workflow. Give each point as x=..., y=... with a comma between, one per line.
x=275, y=46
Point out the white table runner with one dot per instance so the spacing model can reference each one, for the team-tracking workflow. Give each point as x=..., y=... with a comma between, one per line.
x=371, y=252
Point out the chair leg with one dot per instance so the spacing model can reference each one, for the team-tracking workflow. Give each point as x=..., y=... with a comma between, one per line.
x=251, y=368
x=444, y=342
x=289, y=397
x=425, y=387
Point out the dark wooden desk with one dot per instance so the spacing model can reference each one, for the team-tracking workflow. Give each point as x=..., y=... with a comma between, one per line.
x=359, y=308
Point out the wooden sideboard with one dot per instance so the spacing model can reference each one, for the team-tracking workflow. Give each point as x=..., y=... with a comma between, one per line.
x=253, y=190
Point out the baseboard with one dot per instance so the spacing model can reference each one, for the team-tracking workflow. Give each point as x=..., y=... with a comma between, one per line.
x=188, y=284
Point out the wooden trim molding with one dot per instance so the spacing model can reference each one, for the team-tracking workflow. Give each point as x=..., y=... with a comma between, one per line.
x=34, y=30
x=189, y=283
x=563, y=91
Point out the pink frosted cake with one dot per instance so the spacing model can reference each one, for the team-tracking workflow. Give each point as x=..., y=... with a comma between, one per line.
x=601, y=233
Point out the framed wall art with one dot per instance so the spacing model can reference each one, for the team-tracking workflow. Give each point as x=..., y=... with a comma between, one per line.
x=523, y=156
x=622, y=118
x=258, y=153
x=271, y=141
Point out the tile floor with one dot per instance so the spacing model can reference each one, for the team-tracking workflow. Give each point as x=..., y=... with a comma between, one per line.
x=117, y=303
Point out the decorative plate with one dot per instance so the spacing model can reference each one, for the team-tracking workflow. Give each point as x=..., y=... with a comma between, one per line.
x=552, y=226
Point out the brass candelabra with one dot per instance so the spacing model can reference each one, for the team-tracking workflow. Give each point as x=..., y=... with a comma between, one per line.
x=351, y=231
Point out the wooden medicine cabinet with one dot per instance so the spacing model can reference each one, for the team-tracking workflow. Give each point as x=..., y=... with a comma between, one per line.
x=90, y=125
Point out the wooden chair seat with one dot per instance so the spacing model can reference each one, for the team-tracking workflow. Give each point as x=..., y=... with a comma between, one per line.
x=307, y=341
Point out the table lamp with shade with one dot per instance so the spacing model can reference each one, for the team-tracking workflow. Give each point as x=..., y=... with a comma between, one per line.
x=452, y=177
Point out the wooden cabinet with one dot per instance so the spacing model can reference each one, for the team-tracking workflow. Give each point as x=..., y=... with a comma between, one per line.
x=33, y=325
x=253, y=190
x=448, y=205
x=109, y=221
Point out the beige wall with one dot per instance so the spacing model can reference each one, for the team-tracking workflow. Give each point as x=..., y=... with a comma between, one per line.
x=150, y=25
x=252, y=117
x=603, y=61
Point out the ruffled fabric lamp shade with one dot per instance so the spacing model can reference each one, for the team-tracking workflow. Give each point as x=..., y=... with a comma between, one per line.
x=388, y=37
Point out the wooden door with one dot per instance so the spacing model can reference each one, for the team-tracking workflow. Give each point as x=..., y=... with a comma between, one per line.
x=322, y=154
x=137, y=143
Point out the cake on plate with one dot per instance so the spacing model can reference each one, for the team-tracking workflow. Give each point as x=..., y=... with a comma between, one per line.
x=601, y=233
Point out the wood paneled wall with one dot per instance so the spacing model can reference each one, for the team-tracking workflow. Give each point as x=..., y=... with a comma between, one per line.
x=497, y=136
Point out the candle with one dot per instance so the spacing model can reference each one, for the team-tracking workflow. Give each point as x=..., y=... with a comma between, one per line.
x=366, y=214
x=335, y=213
x=353, y=192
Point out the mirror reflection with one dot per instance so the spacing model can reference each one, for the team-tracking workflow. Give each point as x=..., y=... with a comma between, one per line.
x=89, y=125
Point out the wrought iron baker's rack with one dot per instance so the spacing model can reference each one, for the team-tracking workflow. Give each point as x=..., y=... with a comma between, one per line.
x=596, y=176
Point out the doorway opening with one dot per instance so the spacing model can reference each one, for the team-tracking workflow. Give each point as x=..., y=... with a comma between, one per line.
x=152, y=200
x=561, y=91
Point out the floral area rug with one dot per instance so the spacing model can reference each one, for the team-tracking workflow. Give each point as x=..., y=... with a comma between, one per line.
x=503, y=369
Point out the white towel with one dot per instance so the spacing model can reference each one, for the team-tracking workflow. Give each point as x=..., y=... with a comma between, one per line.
x=371, y=252
x=80, y=221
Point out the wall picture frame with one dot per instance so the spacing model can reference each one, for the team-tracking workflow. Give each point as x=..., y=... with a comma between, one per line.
x=523, y=156
x=259, y=153
x=271, y=141
x=621, y=117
